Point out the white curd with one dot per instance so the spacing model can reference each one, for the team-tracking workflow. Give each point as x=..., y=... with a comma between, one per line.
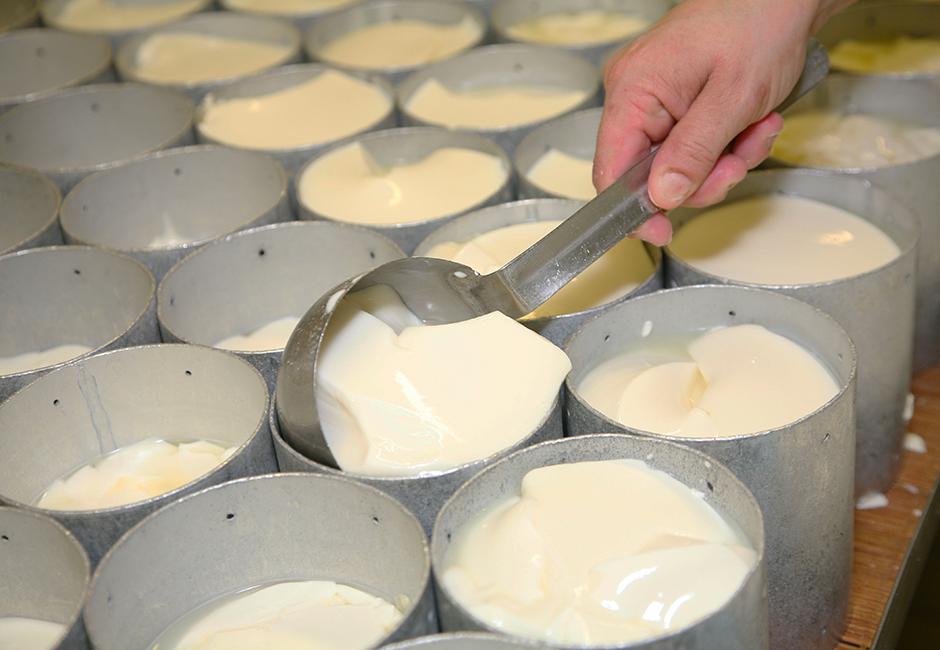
x=562, y=174
x=271, y=336
x=41, y=359
x=895, y=56
x=591, y=27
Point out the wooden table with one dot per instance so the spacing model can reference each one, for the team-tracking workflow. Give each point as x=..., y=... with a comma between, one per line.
x=891, y=543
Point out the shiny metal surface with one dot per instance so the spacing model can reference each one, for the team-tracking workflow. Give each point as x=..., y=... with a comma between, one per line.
x=741, y=624
x=462, y=641
x=405, y=146
x=254, y=531
x=79, y=412
x=30, y=210
x=808, y=513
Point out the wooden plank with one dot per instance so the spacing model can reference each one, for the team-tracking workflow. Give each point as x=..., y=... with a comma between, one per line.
x=883, y=536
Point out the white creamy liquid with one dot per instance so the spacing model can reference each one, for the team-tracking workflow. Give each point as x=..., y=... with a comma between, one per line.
x=725, y=382
x=899, y=55
x=19, y=633
x=782, y=239
x=432, y=397
x=618, y=272
x=302, y=615
x=400, y=43
x=589, y=27
x=133, y=473
x=191, y=57
x=839, y=140
x=328, y=107
x=118, y=15
x=347, y=184
x=286, y=7
x=597, y=553
x=562, y=174
x=490, y=107
x=35, y=360
x=272, y=336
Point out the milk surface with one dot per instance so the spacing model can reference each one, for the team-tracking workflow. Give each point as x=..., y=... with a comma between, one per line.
x=270, y=336
x=20, y=633
x=590, y=27
x=114, y=15
x=191, y=57
x=565, y=175
x=35, y=360
x=895, y=56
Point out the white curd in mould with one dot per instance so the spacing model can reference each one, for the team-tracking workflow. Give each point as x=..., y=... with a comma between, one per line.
x=271, y=336
x=348, y=185
x=302, y=615
x=192, y=57
x=490, y=107
x=133, y=473
x=562, y=174
x=839, y=140
x=286, y=7
x=589, y=27
x=898, y=55
x=41, y=359
x=118, y=15
x=725, y=382
x=400, y=43
x=618, y=272
x=781, y=239
x=571, y=560
x=328, y=107
x=20, y=633
x=429, y=398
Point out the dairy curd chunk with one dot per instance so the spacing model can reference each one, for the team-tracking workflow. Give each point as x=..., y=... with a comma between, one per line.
x=490, y=107
x=120, y=15
x=286, y=7
x=618, y=272
x=589, y=27
x=297, y=615
x=781, y=239
x=35, y=360
x=726, y=382
x=429, y=398
x=20, y=633
x=400, y=43
x=570, y=562
x=192, y=57
x=349, y=185
x=839, y=140
x=328, y=107
x=134, y=473
x=270, y=336
x=903, y=54
x=562, y=174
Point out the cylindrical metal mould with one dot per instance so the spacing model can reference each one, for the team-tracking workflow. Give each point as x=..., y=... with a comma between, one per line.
x=72, y=295
x=556, y=329
x=883, y=21
x=914, y=184
x=422, y=495
x=167, y=204
x=740, y=624
x=808, y=514
x=237, y=284
x=574, y=135
x=282, y=79
x=35, y=63
x=406, y=146
x=87, y=129
x=510, y=64
x=261, y=29
x=462, y=641
x=875, y=308
x=508, y=13
x=16, y=14
x=301, y=17
x=339, y=24
x=255, y=531
x=82, y=411
x=45, y=574
x=52, y=11
x=31, y=210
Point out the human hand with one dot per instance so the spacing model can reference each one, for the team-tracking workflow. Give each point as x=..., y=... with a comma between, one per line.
x=702, y=82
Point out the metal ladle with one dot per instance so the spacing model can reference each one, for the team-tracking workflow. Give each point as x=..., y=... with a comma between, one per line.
x=441, y=291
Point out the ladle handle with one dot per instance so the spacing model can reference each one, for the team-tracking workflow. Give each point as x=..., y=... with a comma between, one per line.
x=540, y=271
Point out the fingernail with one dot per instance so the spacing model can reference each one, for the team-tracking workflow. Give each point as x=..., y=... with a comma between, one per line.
x=676, y=187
